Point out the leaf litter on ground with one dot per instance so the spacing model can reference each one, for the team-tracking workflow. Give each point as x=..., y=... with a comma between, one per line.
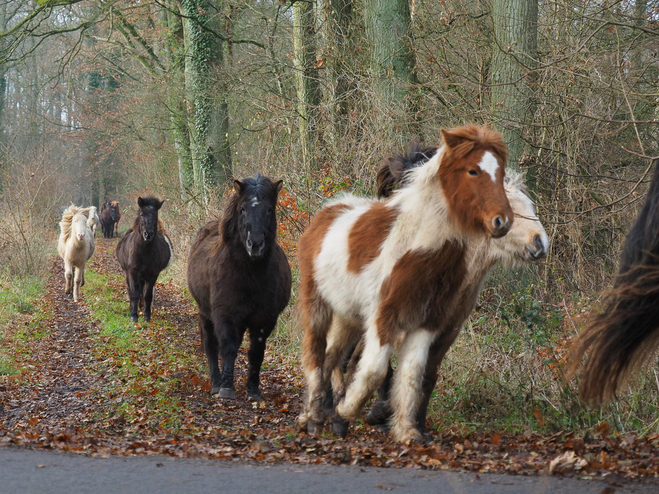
x=83, y=390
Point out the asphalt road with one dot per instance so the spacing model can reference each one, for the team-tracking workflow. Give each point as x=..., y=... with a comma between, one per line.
x=25, y=472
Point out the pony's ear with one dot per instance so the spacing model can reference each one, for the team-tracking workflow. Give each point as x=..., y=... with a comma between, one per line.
x=238, y=185
x=161, y=203
x=140, y=202
x=278, y=185
x=451, y=139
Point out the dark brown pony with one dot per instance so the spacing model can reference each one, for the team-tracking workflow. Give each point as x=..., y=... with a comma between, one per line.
x=143, y=253
x=241, y=280
x=110, y=216
x=392, y=267
x=624, y=336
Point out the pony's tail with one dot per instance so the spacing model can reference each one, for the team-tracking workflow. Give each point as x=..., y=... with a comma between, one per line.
x=622, y=338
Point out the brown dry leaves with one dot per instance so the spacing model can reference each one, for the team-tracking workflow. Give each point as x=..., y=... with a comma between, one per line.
x=63, y=400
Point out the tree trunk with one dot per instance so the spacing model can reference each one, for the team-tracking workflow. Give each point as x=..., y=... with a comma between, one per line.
x=306, y=77
x=515, y=54
x=178, y=117
x=208, y=118
x=338, y=18
x=388, y=29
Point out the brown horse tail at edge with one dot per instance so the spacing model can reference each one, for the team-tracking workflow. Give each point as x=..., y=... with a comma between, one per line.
x=620, y=339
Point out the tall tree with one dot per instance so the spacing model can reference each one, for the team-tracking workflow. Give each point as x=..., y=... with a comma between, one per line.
x=209, y=121
x=388, y=29
x=306, y=76
x=514, y=57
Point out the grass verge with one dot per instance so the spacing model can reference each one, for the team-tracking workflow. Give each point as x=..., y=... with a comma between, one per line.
x=144, y=362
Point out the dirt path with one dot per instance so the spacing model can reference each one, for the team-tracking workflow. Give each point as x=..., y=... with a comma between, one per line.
x=66, y=398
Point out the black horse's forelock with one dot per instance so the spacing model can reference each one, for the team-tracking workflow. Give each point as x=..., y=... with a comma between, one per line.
x=259, y=187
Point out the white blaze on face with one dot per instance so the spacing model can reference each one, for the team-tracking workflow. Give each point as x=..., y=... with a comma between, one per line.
x=255, y=202
x=490, y=165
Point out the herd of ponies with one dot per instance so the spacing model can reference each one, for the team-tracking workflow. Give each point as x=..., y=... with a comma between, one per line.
x=397, y=273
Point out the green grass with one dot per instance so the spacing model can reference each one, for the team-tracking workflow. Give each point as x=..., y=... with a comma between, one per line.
x=142, y=358
x=18, y=296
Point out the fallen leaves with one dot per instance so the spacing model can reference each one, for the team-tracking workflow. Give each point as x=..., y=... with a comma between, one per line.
x=77, y=393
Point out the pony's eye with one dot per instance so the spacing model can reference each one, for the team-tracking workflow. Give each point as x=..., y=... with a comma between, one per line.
x=242, y=209
x=269, y=210
x=473, y=173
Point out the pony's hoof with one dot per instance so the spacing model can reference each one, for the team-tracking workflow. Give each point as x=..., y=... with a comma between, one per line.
x=378, y=415
x=227, y=393
x=340, y=426
x=147, y=319
x=215, y=390
x=314, y=428
x=254, y=396
x=133, y=318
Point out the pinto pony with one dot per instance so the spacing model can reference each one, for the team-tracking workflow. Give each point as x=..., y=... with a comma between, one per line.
x=241, y=280
x=110, y=216
x=624, y=336
x=143, y=253
x=393, y=267
x=526, y=241
x=75, y=246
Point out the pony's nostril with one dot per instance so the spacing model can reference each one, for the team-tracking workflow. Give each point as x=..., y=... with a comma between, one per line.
x=540, y=245
x=498, y=223
x=249, y=244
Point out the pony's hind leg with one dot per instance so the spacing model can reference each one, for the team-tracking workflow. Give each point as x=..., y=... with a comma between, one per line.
x=371, y=371
x=317, y=317
x=343, y=337
x=406, y=394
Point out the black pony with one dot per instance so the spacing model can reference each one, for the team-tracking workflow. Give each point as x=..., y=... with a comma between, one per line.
x=241, y=280
x=143, y=253
x=625, y=334
x=109, y=217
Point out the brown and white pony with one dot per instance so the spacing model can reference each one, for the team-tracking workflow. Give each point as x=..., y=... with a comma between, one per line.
x=75, y=246
x=393, y=266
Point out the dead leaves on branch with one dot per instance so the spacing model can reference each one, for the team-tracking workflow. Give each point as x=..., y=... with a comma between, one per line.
x=79, y=394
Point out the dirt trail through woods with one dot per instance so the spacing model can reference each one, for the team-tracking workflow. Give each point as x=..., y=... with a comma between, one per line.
x=65, y=398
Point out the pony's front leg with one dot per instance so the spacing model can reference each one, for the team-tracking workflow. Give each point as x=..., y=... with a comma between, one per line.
x=211, y=349
x=406, y=394
x=148, y=298
x=68, y=277
x=370, y=373
x=436, y=355
x=255, y=355
x=133, y=295
x=229, y=337
x=77, y=283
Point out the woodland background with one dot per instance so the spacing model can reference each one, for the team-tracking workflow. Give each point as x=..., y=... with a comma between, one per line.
x=113, y=99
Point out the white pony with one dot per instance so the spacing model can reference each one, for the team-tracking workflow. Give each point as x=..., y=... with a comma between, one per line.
x=75, y=247
x=93, y=220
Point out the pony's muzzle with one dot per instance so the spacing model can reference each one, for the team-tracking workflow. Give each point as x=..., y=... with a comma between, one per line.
x=500, y=226
x=256, y=247
x=147, y=236
x=541, y=247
